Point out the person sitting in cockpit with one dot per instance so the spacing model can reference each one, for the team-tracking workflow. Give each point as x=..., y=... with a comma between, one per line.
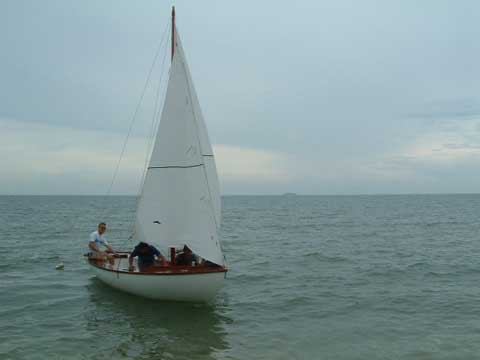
x=187, y=258
x=146, y=254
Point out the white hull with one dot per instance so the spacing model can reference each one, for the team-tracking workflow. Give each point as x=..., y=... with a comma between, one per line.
x=196, y=287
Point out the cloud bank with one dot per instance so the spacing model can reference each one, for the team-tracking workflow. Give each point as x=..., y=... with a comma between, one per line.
x=45, y=159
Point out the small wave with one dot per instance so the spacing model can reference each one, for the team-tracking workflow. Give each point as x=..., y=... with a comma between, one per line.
x=299, y=300
x=454, y=271
x=387, y=272
x=418, y=264
x=262, y=263
x=438, y=223
x=247, y=277
x=319, y=256
x=43, y=257
x=438, y=274
x=6, y=266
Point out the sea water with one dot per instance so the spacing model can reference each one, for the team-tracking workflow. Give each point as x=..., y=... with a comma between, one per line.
x=311, y=277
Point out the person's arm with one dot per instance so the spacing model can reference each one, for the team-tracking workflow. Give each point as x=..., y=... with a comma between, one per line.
x=92, y=243
x=159, y=255
x=162, y=259
x=107, y=245
x=93, y=246
x=130, y=260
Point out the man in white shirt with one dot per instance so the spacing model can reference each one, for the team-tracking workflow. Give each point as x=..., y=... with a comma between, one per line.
x=97, y=241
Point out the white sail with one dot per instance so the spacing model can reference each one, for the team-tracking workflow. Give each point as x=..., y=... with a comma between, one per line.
x=205, y=146
x=180, y=201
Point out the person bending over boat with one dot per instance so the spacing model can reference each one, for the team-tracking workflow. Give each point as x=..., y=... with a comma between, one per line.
x=146, y=254
x=97, y=241
x=187, y=258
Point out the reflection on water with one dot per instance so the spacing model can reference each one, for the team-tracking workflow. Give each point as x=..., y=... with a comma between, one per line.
x=133, y=327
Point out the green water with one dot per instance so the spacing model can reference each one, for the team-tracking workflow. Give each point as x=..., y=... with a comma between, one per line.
x=312, y=277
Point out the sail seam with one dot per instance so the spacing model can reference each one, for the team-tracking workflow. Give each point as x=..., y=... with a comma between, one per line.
x=175, y=166
x=189, y=89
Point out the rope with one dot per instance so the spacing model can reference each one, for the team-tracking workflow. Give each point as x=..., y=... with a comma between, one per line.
x=147, y=81
x=153, y=126
x=137, y=108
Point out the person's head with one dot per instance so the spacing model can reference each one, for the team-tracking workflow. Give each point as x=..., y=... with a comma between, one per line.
x=187, y=250
x=102, y=227
x=143, y=247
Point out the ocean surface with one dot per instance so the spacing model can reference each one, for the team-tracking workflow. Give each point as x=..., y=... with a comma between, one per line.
x=311, y=277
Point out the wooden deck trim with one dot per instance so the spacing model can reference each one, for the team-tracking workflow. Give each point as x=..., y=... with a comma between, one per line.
x=161, y=270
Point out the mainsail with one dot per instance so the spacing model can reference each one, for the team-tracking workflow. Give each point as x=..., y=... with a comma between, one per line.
x=180, y=200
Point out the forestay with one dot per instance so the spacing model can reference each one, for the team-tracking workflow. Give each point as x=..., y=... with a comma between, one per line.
x=180, y=199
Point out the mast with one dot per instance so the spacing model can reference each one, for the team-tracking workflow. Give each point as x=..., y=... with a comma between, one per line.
x=180, y=201
x=173, y=30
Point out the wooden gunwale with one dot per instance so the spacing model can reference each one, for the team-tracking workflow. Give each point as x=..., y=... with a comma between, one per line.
x=161, y=270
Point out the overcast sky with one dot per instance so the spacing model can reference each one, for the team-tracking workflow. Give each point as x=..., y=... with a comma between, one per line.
x=313, y=97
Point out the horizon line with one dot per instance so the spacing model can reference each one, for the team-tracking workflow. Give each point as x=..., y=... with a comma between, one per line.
x=278, y=194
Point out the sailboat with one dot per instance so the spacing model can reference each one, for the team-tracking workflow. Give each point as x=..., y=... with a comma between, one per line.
x=179, y=202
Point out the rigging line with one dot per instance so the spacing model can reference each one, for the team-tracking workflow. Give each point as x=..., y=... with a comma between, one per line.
x=159, y=101
x=156, y=112
x=136, y=110
x=104, y=210
x=161, y=104
x=151, y=140
x=160, y=107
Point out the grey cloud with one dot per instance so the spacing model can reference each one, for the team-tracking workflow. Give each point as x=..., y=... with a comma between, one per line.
x=331, y=82
x=451, y=109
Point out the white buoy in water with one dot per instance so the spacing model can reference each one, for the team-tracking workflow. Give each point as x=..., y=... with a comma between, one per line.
x=60, y=266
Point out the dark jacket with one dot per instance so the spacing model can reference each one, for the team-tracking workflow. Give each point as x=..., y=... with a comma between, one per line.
x=186, y=260
x=146, y=255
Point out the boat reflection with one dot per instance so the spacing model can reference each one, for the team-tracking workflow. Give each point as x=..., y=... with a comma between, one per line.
x=137, y=328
